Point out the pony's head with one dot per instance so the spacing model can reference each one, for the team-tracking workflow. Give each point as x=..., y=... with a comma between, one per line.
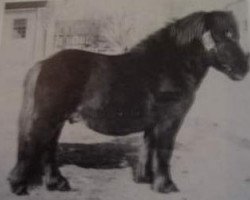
x=217, y=31
x=221, y=41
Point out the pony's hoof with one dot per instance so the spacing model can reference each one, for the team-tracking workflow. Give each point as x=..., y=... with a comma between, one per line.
x=19, y=188
x=58, y=183
x=22, y=179
x=162, y=186
x=18, y=185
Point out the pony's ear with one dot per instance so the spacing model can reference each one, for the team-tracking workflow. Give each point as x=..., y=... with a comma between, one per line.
x=208, y=41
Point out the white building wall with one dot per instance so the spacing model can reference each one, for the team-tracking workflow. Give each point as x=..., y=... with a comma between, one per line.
x=248, y=22
x=1, y=18
x=35, y=37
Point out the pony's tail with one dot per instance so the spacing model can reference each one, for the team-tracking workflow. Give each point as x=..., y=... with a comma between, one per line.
x=27, y=113
x=26, y=119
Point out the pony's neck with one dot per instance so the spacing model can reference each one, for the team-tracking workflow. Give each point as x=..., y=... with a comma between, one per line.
x=155, y=43
x=195, y=70
x=177, y=49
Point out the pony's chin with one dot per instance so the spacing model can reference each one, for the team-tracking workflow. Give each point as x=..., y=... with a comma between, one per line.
x=233, y=76
x=236, y=77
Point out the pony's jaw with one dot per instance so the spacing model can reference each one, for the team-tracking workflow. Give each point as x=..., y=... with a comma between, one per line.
x=229, y=59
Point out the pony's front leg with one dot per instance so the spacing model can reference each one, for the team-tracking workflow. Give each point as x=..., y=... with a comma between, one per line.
x=164, y=133
x=54, y=180
x=143, y=171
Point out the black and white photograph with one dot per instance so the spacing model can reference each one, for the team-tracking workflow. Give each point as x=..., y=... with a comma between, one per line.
x=124, y=100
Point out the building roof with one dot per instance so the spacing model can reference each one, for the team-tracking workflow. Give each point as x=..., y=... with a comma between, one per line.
x=24, y=4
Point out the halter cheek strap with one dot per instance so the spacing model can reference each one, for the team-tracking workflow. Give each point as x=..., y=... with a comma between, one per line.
x=208, y=41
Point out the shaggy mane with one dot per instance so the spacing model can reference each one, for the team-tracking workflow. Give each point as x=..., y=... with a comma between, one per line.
x=182, y=32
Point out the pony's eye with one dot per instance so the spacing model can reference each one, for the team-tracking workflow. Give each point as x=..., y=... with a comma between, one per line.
x=229, y=34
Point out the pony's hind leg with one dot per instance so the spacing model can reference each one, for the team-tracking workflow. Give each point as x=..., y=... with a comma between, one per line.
x=28, y=169
x=53, y=178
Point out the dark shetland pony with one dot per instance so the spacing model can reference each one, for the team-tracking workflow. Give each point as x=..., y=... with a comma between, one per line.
x=150, y=89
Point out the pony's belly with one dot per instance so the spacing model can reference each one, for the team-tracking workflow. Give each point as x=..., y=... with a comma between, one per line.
x=113, y=124
x=116, y=127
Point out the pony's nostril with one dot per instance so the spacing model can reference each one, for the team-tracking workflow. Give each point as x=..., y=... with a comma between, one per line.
x=227, y=67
